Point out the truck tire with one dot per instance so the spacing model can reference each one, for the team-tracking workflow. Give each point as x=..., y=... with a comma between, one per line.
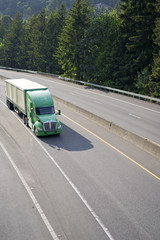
x=10, y=105
x=25, y=121
x=35, y=132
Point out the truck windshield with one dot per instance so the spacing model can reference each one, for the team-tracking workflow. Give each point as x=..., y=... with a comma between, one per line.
x=45, y=110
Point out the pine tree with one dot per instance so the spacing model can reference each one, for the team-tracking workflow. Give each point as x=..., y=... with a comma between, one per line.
x=30, y=29
x=122, y=69
x=54, y=25
x=5, y=23
x=14, y=43
x=153, y=84
x=40, y=38
x=70, y=52
x=135, y=44
x=142, y=40
x=99, y=41
x=36, y=39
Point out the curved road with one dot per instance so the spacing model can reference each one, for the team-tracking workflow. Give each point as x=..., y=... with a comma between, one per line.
x=137, y=116
x=89, y=184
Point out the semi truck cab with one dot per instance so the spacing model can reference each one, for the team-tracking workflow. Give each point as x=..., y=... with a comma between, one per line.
x=35, y=103
x=41, y=114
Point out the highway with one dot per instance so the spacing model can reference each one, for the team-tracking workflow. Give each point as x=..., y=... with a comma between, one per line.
x=86, y=184
x=137, y=116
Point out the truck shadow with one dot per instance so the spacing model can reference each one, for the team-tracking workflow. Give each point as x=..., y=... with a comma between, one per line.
x=69, y=140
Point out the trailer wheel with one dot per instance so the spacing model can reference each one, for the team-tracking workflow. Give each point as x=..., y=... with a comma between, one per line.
x=10, y=105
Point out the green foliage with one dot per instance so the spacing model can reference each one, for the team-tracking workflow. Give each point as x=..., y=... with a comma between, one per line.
x=70, y=52
x=39, y=40
x=13, y=43
x=153, y=84
x=55, y=23
x=28, y=7
x=135, y=42
x=142, y=80
x=141, y=41
x=118, y=48
x=99, y=41
x=42, y=40
x=31, y=42
x=5, y=22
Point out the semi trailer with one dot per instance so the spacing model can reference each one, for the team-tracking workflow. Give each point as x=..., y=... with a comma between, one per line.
x=34, y=102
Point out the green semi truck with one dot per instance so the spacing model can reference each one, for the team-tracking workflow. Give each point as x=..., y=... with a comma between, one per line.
x=34, y=102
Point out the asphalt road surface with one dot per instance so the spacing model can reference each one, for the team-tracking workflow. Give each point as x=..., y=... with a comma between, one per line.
x=86, y=184
x=137, y=116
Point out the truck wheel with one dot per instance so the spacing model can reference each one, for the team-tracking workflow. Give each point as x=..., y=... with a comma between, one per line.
x=25, y=121
x=10, y=105
x=35, y=132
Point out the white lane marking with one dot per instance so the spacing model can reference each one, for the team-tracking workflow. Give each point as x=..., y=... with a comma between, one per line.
x=134, y=115
x=133, y=104
x=34, y=200
x=97, y=102
x=104, y=228
x=76, y=190
x=71, y=93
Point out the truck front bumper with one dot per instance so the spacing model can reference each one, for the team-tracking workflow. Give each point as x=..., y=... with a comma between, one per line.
x=42, y=133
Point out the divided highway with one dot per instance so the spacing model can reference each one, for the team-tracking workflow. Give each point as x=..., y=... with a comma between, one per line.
x=86, y=184
x=137, y=116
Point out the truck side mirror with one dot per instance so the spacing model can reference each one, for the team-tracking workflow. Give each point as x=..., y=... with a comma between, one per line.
x=59, y=112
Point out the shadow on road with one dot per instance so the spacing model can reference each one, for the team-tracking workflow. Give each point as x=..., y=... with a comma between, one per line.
x=69, y=140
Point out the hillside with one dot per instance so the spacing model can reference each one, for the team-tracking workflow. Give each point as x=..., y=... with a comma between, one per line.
x=28, y=7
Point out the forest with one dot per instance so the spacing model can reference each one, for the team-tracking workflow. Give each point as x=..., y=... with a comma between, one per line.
x=29, y=7
x=118, y=48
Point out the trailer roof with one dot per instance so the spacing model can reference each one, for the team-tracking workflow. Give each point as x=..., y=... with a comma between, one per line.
x=25, y=84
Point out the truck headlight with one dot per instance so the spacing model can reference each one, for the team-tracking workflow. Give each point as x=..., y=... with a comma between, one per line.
x=39, y=129
x=59, y=126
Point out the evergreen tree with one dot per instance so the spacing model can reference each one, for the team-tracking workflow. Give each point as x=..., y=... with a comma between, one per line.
x=153, y=84
x=55, y=23
x=134, y=48
x=40, y=47
x=30, y=29
x=5, y=23
x=103, y=63
x=36, y=40
x=142, y=41
x=70, y=52
x=99, y=41
x=14, y=44
x=123, y=68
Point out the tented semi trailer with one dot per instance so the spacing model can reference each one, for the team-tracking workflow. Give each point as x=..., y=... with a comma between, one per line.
x=35, y=103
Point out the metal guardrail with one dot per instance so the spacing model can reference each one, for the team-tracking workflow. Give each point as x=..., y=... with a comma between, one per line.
x=89, y=84
x=113, y=90
x=18, y=70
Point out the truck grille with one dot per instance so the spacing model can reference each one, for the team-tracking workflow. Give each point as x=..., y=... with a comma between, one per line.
x=49, y=126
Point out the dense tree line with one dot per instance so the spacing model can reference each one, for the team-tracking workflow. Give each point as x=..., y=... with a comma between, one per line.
x=28, y=7
x=120, y=49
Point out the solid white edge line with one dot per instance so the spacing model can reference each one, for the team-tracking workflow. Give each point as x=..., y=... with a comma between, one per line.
x=33, y=198
x=104, y=228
